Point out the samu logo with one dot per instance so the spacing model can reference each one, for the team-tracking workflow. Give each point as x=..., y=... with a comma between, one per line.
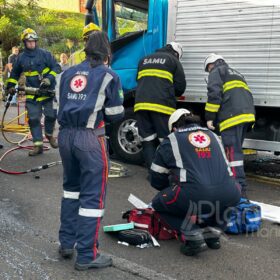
x=154, y=61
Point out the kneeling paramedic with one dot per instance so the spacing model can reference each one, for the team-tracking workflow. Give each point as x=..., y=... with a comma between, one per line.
x=90, y=95
x=196, y=186
x=40, y=69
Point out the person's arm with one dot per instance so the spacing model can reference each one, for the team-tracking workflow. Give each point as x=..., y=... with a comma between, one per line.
x=160, y=171
x=54, y=68
x=179, y=79
x=215, y=91
x=114, y=109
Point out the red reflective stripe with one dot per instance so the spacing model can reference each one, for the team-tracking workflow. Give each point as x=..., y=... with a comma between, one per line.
x=101, y=124
x=103, y=188
x=175, y=197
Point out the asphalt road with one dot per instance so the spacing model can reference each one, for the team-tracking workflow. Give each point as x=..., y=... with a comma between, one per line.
x=29, y=222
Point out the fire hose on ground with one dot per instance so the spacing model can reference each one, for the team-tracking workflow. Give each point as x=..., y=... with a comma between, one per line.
x=116, y=169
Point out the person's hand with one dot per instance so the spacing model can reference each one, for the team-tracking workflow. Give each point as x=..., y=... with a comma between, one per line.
x=11, y=91
x=45, y=83
x=210, y=125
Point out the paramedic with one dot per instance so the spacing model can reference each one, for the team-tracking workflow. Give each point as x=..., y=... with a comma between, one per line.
x=90, y=95
x=192, y=174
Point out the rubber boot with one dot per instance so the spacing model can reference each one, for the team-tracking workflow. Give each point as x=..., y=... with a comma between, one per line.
x=36, y=151
x=52, y=141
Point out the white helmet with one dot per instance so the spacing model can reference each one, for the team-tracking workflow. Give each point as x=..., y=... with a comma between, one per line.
x=177, y=47
x=211, y=58
x=176, y=116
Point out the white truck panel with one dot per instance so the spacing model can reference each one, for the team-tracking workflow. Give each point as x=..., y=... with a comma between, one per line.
x=245, y=32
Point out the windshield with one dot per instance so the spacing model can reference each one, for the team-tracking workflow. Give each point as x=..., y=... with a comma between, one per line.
x=130, y=18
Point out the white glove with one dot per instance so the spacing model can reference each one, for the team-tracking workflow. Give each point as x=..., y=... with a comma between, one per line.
x=210, y=125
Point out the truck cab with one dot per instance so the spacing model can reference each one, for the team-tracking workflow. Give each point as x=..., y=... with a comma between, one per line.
x=245, y=32
x=135, y=28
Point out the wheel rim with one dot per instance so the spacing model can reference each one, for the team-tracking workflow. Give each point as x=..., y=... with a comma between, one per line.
x=128, y=137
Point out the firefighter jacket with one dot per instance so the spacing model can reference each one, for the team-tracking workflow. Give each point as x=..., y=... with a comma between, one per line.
x=35, y=64
x=192, y=156
x=230, y=101
x=89, y=97
x=160, y=79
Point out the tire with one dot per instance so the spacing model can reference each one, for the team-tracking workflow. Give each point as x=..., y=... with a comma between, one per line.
x=125, y=140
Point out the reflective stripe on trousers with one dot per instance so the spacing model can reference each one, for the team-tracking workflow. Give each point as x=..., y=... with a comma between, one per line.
x=85, y=167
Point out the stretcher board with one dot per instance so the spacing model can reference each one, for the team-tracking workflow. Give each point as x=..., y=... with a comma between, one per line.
x=269, y=212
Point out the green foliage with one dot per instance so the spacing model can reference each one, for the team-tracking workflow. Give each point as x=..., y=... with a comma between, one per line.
x=53, y=28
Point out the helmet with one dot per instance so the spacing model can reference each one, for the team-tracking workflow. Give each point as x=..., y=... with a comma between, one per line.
x=177, y=47
x=89, y=28
x=176, y=116
x=29, y=35
x=211, y=58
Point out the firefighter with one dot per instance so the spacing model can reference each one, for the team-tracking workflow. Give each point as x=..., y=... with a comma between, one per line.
x=161, y=79
x=195, y=182
x=80, y=55
x=90, y=94
x=40, y=70
x=230, y=107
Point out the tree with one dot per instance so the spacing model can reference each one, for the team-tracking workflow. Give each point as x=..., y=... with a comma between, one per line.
x=53, y=28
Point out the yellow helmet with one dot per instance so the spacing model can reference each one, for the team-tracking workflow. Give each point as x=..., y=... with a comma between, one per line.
x=89, y=28
x=29, y=35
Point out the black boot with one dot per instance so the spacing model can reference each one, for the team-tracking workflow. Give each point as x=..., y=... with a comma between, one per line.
x=66, y=253
x=193, y=243
x=101, y=261
x=212, y=237
x=149, y=149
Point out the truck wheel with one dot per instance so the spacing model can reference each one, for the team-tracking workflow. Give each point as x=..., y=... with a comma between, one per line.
x=125, y=140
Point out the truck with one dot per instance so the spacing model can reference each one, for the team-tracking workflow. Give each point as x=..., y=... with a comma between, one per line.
x=245, y=32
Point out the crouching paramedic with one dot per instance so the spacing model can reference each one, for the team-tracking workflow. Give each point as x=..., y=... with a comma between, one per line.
x=195, y=182
x=40, y=69
x=90, y=94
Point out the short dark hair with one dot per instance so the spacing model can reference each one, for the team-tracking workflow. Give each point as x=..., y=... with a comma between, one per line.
x=98, y=48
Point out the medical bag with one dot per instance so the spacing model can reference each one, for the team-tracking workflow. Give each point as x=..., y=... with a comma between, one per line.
x=135, y=237
x=149, y=220
x=244, y=218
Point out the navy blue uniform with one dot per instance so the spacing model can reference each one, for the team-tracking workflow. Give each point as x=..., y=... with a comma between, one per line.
x=161, y=79
x=88, y=98
x=230, y=104
x=193, y=161
x=37, y=64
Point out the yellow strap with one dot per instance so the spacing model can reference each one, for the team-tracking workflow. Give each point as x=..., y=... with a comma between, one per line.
x=243, y=118
x=31, y=74
x=46, y=70
x=235, y=84
x=53, y=73
x=37, y=99
x=212, y=107
x=11, y=80
x=154, y=107
x=156, y=73
x=38, y=143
